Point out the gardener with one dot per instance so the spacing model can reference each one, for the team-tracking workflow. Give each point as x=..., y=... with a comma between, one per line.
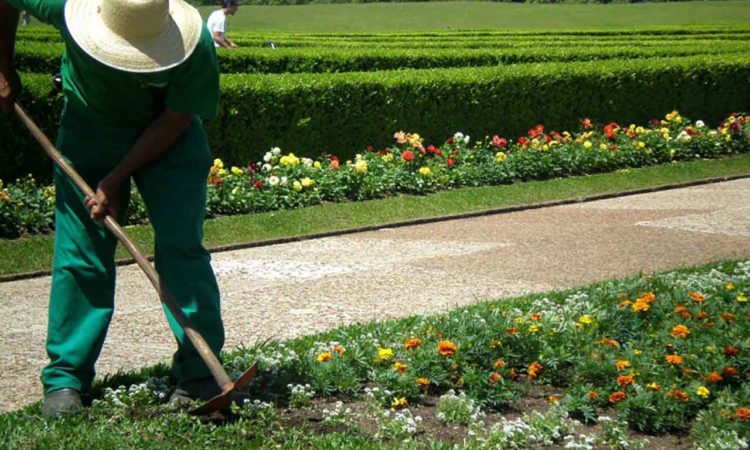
x=137, y=77
x=217, y=23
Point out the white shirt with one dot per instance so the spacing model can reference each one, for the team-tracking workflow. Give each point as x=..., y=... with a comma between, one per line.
x=217, y=23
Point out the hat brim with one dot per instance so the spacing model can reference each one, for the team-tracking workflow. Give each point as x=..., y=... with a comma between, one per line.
x=162, y=52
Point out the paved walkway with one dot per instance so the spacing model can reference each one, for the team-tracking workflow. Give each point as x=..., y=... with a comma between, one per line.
x=288, y=290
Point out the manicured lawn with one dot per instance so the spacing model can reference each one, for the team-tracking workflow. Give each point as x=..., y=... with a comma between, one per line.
x=35, y=253
x=375, y=17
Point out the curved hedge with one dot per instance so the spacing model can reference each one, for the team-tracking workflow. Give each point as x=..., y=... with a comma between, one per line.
x=313, y=113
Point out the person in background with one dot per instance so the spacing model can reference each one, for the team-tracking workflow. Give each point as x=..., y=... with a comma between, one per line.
x=25, y=18
x=217, y=23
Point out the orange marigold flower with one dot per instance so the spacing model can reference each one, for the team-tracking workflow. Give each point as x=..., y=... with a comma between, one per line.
x=512, y=331
x=686, y=315
x=412, y=344
x=675, y=360
x=400, y=367
x=728, y=317
x=742, y=414
x=654, y=386
x=535, y=316
x=640, y=305
x=553, y=399
x=534, y=369
x=622, y=364
x=625, y=380
x=513, y=374
x=730, y=372
x=339, y=349
x=679, y=309
x=423, y=382
x=714, y=377
x=494, y=378
x=709, y=325
x=610, y=342
x=701, y=315
x=648, y=297
x=678, y=395
x=499, y=364
x=625, y=303
x=447, y=348
x=593, y=395
x=731, y=351
x=616, y=397
x=680, y=331
x=495, y=343
x=696, y=296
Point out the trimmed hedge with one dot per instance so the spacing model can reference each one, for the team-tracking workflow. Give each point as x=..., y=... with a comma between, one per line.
x=45, y=57
x=313, y=113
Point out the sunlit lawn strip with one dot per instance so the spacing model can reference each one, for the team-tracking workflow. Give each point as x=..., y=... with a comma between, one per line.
x=35, y=253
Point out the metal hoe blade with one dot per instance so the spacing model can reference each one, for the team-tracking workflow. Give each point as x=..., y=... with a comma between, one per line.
x=224, y=399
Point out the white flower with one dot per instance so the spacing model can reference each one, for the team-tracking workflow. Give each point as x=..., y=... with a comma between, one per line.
x=267, y=157
x=276, y=151
x=273, y=180
x=266, y=168
x=283, y=181
x=699, y=124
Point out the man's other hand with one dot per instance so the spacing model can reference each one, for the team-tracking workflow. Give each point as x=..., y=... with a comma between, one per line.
x=10, y=87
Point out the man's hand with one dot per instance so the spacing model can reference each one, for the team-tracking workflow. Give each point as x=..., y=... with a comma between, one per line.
x=10, y=86
x=106, y=200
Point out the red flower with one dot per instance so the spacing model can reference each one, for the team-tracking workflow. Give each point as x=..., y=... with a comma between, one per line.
x=499, y=142
x=655, y=122
x=616, y=397
x=408, y=156
x=611, y=130
x=449, y=141
x=586, y=124
x=370, y=148
x=731, y=351
x=450, y=162
x=258, y=184
x=523, y=142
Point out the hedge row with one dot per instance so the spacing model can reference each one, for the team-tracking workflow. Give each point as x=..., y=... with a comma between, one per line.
x=314, y=113
x=45, y=57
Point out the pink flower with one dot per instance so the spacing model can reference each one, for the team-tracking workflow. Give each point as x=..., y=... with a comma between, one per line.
x=499, y=142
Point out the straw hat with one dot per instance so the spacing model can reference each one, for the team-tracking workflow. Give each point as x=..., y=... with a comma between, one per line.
x=135, y=35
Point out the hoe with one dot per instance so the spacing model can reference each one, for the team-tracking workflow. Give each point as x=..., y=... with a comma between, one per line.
x=226, y=384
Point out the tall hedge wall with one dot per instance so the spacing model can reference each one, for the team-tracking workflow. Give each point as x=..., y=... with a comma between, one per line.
x=343, y=113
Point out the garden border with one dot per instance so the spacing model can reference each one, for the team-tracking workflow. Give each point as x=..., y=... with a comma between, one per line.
x=421, y=221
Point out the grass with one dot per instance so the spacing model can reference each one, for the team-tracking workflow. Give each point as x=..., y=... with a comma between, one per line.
x=563, y=342
x=433, y=16
x=35, y=253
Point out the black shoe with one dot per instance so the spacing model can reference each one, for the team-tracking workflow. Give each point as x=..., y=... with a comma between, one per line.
x=199, y=389
x=61, y=403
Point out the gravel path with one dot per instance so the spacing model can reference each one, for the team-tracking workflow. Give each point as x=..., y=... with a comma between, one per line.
x=283, y=291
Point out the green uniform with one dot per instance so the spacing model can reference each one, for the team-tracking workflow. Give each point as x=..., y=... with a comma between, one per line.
x=105, y=112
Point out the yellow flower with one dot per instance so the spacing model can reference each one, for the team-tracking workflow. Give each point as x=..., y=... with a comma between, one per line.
x=587, y=145
x=728, y=139
x=703, y=392
x=218, y=163
x=425, y=171
x=388, y=157
x=637, y=352
x=641, y=144
x=308, y=182
x=297, y=186
x=361, y=166
x=415, y=140
x=622, y=364
x=533, y=329
x=518, y=320
x=500, y=156
x=222, y=172
x=639, y=130
x=585, y=320
x=602, y=146
x=741, y=297
x=654, y=386
x=317, y=165
x=237, y=171
x=325, y=357
x=384, y=354
x=289, y=160
x=399, y=403
x=729, y=286
x=400, y=367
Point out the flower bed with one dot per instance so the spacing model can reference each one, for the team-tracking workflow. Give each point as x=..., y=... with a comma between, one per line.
x=284, y=181
x=665, y=353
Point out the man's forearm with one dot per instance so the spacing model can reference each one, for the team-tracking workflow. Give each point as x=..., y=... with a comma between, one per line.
x=8, y=25
x=157, y=138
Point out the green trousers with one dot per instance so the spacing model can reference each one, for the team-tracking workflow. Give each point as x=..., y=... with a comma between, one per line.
x=83, y=279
